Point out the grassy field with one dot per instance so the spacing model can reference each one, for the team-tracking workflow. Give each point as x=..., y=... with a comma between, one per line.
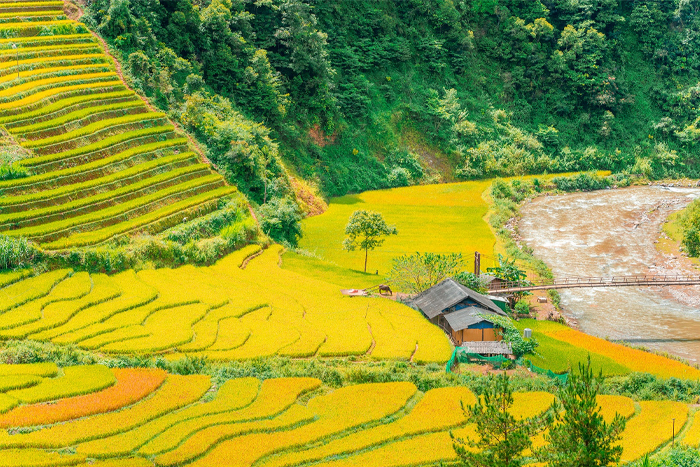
x=146, y=417
x=222, y=312
x=443, y=218
x=100, y=163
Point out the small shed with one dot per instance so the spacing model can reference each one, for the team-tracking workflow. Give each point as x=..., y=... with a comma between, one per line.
x=492, y=282
x=461, y=312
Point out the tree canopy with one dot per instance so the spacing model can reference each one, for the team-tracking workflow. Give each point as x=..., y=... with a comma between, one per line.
x=366, y=230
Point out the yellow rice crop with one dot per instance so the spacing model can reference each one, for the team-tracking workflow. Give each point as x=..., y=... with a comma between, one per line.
x=222, y=312
x=37, y=458
x=652, y=427
x=30, y=289
x=232, y=396
x=7, y=402
x=77, y=380
x=692, y=435
x=275, y=397
x=439, y=410
x=58, y=313
x=422, y=450
x=176, y=392
x=612, y=405
x=530, y=404
x=46, y=369
x=341, y=410
x=8, y=383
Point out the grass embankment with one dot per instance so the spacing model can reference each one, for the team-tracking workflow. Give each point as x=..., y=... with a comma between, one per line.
x=147, y=417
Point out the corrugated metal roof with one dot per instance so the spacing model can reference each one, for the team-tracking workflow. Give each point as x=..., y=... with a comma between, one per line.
x=448, y=293
x=488, y=347
x=462, y=319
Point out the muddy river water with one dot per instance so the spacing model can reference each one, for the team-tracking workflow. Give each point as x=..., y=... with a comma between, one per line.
x=613, y=233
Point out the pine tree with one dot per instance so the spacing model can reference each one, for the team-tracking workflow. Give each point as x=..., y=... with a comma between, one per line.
x=501, y=438
x=579, y=436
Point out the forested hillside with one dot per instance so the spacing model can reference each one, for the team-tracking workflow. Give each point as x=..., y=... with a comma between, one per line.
x=359, y=94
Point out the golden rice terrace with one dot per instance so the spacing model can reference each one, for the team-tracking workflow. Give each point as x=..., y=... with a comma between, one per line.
x=101, y=163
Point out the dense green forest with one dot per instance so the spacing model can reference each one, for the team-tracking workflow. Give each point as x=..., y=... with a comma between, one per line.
x=353, y=95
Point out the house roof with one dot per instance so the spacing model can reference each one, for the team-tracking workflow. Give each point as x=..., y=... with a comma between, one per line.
x=487, y=278
x=462, y=319
x=488, y=347
x=448, y=293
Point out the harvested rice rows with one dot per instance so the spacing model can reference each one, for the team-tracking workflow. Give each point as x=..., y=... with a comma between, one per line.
x=101, y=163
x=149, y=418
x=220, y=312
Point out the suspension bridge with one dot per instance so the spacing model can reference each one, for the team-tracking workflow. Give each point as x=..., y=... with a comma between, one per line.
x=506, y=287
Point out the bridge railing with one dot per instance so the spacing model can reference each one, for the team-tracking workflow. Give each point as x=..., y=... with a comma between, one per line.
x=642, y=279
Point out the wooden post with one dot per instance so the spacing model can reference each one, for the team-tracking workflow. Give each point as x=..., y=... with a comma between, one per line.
x=477, y=263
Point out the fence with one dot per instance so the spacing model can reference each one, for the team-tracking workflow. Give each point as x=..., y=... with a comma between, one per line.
x=460, y=356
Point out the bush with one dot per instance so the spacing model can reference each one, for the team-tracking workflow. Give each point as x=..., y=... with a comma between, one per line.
x=398, y=177
x=471, y=281
x=280, y=219
x=581, y=182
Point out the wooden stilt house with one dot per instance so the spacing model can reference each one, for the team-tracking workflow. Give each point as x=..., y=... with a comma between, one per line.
x=461, y=312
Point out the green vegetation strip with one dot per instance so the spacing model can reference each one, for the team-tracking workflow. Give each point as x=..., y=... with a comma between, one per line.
x=74, y=117
x=113, y=211
x=75, y=189
x=97, y=236
x=93, y=128
x=64, y=104
x=105, y=143
x=78, y=203
x=57, y=175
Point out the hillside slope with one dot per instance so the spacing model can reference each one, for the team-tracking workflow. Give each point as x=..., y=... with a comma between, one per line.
x=361, y=94
x=99, y=161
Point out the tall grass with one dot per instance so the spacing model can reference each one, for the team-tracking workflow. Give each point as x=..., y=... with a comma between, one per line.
x=16, y=252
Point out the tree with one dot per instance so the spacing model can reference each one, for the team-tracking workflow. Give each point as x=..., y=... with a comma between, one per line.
x=417, y=272
x=366, y=230
x=578, y=436
x=501, y=438
x=509, y=272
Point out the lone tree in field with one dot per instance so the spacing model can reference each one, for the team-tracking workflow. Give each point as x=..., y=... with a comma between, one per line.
x=366, y=230
x=579, y=437
x=501, y=439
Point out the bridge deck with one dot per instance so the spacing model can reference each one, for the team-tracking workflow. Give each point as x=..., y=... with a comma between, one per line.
x=579, y=282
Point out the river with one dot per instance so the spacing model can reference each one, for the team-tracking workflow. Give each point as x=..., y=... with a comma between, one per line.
x=613, y=233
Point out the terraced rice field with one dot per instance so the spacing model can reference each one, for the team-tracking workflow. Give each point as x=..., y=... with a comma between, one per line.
x=562, y=348
x=222, y=312
x=144, y=417
x=101, y=162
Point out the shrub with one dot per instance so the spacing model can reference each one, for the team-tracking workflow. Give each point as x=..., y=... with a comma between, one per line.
x=281, y=220
x=399, y=177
